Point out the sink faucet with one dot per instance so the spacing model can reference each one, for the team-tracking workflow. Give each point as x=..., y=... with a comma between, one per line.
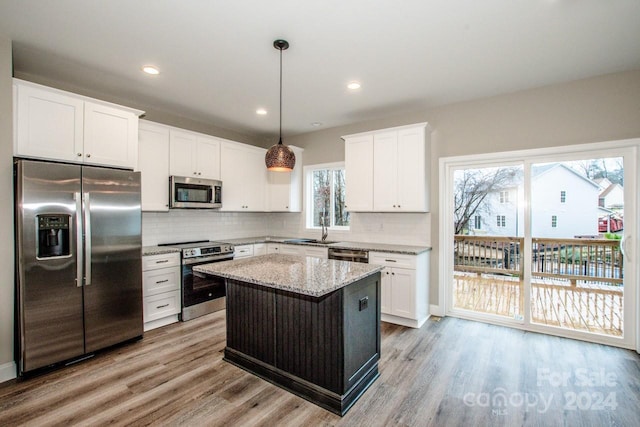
x=325, y=232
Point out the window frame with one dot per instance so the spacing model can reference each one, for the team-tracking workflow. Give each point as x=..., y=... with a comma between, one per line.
x=308, y=190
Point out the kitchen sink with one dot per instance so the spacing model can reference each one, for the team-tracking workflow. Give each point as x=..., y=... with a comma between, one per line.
x=326, y=242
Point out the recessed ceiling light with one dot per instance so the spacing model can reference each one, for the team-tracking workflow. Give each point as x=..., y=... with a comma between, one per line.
x=150, y=69
x=316, y=124
x=261, y=111
x=353, y=85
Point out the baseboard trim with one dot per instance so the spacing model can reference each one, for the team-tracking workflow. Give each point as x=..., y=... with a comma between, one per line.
x=7, y=371
x=410, y=323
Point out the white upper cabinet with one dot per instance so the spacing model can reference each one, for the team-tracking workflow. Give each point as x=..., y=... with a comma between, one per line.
x=285, y=188
x=194, y=155
x=400, y=165
x=244, y=177
x=388, y=170
x=358, y=162
x=56, y=125
x=153, y=163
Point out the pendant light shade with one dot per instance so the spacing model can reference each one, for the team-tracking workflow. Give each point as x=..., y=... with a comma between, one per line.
x=280, y=158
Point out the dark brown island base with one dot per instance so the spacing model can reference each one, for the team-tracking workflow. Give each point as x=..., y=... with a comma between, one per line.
x=308, y=325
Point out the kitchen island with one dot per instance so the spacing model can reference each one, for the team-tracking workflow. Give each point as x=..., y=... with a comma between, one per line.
x=309, y=325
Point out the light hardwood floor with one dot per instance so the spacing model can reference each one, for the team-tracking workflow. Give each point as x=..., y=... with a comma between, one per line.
x=449, y=372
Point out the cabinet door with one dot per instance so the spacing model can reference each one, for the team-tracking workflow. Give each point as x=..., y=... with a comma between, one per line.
x=182, y=153
x=110, y=136
x=385, y=291
x=232, y=173
x=412, y=170
x=153, y=163
x=49, y=125
x=259, y=249
x=273, y=248
x=403, y=299
x=291, y=250
x=359, y=173
x=255, y=185
x=385, y=165
x=208, y=157
x=279, y=191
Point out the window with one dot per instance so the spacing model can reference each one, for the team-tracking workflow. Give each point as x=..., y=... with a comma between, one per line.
x=477, y=222
x=563, y=196
x=554, y=221
x=325, y=196
x=501, y=221
x=504, y=197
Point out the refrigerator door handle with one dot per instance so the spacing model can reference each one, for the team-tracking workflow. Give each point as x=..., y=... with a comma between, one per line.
x=79, y=251
x=87, y=239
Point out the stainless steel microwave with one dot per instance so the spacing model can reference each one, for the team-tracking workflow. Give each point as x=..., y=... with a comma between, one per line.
x=194, y=193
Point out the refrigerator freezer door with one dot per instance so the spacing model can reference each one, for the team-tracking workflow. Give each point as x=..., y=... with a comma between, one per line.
x=113, y=263
x=49, y=300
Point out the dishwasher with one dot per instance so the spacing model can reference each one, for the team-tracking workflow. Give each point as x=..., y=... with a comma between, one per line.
x=352, y=255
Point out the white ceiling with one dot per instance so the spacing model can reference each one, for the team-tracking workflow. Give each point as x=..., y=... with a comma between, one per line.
x=218, y=63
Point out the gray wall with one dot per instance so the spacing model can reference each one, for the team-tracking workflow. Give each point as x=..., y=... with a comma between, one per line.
x=590, y=110
x=6, y=211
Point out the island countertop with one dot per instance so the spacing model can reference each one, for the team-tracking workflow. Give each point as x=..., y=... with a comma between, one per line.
x=303, y=275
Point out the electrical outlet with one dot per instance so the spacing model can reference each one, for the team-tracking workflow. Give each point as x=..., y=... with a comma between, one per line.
x=364, y=303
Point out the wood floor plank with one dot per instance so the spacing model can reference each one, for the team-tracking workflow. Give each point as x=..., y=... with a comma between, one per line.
x=449, y=372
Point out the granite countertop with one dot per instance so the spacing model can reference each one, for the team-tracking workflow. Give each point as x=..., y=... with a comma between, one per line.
x=375, y=247
x=303, y=275
x=158, y=250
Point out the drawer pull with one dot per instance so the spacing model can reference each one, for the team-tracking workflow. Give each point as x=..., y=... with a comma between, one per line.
x=163, y=306
x=162, y=281
x=162, y=261
x=391, y=260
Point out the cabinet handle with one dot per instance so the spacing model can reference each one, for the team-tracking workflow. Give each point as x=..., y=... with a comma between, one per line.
x=162, y=281
x=393, y=274
x=199, y=173
x=387, y=273
x=162, y=306
x=394, y=206
x=79, y=154
x=88, y=155
x=195, y=173
x=391, y=260
x=398, y=205
x=162, y=261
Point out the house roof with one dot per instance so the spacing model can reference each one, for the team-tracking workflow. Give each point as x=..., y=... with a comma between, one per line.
x=540, y=170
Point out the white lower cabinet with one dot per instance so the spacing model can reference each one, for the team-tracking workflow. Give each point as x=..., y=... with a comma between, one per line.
x=259, y=249
x=161, y=289
x=404, y=287
x=298, y=250
x=242, y=251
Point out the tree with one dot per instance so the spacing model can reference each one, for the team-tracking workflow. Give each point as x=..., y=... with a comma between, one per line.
x=472, y=186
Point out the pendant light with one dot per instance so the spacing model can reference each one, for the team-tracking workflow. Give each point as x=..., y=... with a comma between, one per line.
x=280, y=158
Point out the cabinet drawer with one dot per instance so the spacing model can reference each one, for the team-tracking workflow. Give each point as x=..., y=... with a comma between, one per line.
x=163, y=305
x=161, y=280
x=160, y=261
x=243, y=251
x=392, y=260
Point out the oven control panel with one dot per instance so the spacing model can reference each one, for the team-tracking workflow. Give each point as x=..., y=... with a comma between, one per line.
x=207, y=251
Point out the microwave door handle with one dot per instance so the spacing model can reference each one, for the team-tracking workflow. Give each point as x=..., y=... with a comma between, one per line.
x=87, y=245
x=79, y=250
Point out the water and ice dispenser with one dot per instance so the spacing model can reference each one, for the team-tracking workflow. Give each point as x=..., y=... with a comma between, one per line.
x=53, y=235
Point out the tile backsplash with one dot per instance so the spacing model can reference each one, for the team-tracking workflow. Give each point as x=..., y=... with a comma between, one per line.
x=184, y=225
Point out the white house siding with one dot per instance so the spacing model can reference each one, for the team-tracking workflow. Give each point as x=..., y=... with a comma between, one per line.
x=577, y=216
x=614, y=197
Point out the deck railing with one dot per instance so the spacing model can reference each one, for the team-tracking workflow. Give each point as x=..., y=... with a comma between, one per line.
x=575, y=283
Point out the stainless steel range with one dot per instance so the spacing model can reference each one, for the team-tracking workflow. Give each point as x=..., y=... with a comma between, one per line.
x=201, y=294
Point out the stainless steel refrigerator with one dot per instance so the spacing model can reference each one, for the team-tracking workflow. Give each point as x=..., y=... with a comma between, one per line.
x=78, y=261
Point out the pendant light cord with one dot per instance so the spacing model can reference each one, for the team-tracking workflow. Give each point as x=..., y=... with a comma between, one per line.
x=280, y=140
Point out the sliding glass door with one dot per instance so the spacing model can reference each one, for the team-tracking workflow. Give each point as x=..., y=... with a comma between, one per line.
x=541, y=242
